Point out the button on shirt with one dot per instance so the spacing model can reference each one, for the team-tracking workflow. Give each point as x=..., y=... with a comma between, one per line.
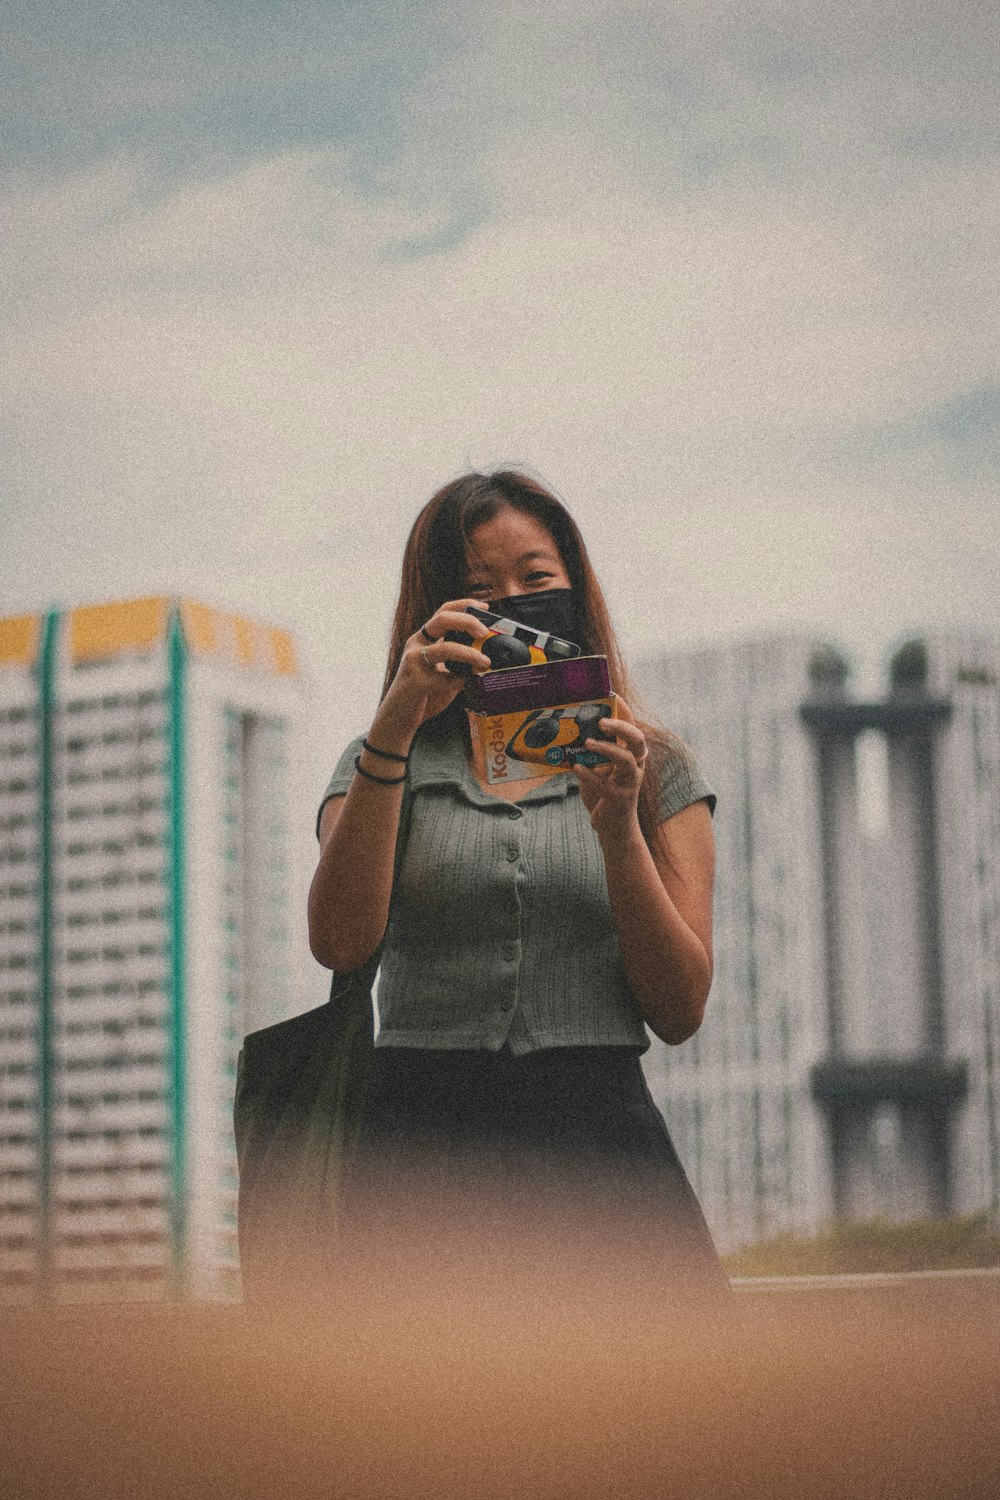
x=500, y=929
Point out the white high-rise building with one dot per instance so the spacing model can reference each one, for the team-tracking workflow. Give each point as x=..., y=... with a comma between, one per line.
x=849, y=1064
x=144, y=749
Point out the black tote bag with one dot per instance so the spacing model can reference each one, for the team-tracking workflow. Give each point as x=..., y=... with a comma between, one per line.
x=301, y=1089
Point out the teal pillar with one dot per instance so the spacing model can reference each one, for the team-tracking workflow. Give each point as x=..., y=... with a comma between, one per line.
x=177, y=652
x=46, y=715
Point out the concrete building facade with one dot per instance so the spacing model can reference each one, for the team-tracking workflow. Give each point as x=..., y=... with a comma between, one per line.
x=144, y=748
x=848, y=1066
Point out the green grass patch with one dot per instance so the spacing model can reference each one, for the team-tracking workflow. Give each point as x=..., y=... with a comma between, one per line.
x=870, y=1245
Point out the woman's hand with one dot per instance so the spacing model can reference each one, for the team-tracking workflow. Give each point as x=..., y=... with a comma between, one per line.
x=423, y=685
x=611, y=793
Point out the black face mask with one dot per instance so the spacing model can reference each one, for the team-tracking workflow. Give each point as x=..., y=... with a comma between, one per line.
x=554, y=610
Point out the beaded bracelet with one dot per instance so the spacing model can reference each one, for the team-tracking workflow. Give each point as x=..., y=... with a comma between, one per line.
x=381, y=780
x=385, y=754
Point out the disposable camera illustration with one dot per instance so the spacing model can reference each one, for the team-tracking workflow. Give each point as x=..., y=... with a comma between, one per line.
x=510, y=644
x=555, y=736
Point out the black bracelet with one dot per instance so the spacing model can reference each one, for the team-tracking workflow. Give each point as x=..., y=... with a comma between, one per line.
x=385, y=754
x=382, y=780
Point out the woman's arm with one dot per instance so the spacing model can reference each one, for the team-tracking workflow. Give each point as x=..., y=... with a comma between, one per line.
x=350, y=891
x=663, y=917
x=352, y=887
x=662, y=904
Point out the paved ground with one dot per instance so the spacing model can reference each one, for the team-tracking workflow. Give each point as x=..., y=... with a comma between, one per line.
x=567, y=1387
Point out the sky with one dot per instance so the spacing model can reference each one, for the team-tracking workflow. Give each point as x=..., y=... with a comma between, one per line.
x=723, y=274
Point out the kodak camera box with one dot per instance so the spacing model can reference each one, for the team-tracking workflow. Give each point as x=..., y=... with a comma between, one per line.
x=532, y=721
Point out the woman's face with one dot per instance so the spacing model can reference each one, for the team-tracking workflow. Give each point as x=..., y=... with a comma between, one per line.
x=513, y=554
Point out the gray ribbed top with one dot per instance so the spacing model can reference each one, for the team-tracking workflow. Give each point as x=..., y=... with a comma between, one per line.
x=500, y=928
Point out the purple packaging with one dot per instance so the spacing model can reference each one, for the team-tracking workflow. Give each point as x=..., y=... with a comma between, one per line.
x=512, y=688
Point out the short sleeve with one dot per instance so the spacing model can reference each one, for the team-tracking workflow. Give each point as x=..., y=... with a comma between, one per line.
x=342, y=777
x=682, y=781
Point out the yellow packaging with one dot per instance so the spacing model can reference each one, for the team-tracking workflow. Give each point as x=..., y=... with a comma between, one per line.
x=525, y=743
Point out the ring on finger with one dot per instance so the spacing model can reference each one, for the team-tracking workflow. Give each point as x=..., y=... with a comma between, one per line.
x=426, y=659
x=430, y=639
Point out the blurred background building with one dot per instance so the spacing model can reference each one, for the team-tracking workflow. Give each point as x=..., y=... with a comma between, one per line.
x=143, y=928
x=850, y=1062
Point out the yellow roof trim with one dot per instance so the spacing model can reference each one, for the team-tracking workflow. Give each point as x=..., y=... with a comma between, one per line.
x=234, y=638
x=100, y=632
x=286, y=662
x=20, y=636
x=244, y=635
x=104, y=632
x=201, y=625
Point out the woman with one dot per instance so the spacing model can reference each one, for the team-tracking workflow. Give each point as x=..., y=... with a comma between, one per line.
x=536, y=927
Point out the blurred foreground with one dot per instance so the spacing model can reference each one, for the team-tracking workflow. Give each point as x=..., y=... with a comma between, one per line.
x=542, y=1376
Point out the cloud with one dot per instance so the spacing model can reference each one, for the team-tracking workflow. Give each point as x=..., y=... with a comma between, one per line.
x=680, y=93
x=684, y=94
x=954, y=442
x=199, y=85
x=676, y=257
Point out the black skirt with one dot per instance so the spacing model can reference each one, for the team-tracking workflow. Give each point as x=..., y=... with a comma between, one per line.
x=561, y=1149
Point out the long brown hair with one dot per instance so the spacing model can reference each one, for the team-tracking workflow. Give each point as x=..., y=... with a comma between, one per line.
x=435, y=569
